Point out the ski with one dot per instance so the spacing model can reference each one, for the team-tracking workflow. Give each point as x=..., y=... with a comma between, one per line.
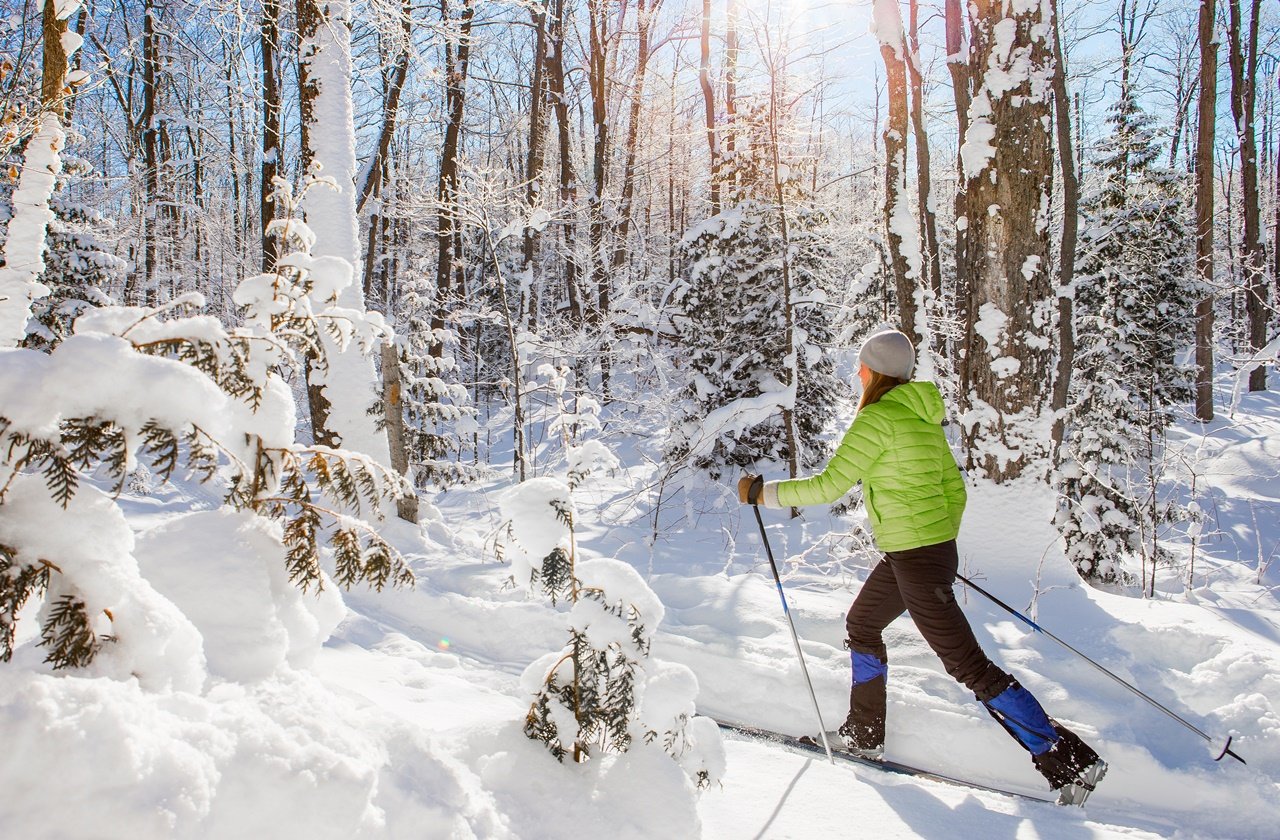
x=813, y=746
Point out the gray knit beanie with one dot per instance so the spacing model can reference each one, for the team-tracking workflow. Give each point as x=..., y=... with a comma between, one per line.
x=889, y=352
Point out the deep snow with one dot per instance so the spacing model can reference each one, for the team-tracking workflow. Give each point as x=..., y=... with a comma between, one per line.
x=407, y=722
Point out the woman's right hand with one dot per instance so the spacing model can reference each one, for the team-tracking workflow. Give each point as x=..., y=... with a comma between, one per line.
x=749, y=489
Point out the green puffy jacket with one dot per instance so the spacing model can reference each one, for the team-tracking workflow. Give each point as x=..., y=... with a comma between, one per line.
x=910, y=483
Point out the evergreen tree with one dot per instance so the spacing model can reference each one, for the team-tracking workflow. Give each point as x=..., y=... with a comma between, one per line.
x=438, y=412
x=1135, y=294
x=743, y=373
x=80, y=270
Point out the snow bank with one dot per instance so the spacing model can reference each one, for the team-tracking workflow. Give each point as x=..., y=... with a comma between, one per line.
x=284, y=759
x=638, y=795
x=226, y=570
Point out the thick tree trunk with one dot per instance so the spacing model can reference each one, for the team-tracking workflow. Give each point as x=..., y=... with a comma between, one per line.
x=406, y=507
x=150, y=126
x=341, y=391
x=1204, y=208
x=1070, y=228
x=22, y=256
x=1008, y=164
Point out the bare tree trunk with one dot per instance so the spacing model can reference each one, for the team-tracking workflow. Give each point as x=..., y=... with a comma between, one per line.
x=924, y=186
x=568, y=183
x=897, y=216
x=270, y=126
x=644, y=15
x=533, y=163
x=597, y=78
x=376, y=181
x=371, y=179
x=1204, y=208
x=731, y=80
x=1070, y=228
x=407, y=506
x=457, y=61
x=1244, y=72
x=150, y=154
x=960, y=89
x=709, y=104
x=1009, y=165
x=791, y=373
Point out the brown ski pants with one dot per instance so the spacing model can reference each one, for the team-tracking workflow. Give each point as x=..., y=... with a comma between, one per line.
x=919, y=581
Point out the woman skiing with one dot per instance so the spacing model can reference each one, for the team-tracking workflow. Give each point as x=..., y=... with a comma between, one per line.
x=915, y=497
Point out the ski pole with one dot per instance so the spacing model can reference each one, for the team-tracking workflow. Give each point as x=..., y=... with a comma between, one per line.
x=756, y=487
x=1226, y=747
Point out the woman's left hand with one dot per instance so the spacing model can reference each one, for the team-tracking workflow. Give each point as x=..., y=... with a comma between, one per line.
x=746, y=485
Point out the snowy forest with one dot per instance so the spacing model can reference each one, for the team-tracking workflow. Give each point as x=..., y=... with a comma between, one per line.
x=376, y=377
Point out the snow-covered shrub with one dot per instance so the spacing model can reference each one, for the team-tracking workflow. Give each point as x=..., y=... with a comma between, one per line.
x=601, y=692
x=539, y=541
x=177, y=389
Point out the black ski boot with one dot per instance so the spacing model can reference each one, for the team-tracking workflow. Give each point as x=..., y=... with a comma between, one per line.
x=1071, y=767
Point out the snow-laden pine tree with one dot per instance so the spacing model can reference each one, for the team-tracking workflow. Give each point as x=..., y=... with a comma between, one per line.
x=80, y=270
x=178, y=390
x=756, y=349
x=438, y=413
x=1135, y=295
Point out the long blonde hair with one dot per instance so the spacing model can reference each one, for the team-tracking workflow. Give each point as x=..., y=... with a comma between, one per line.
x=880, y=384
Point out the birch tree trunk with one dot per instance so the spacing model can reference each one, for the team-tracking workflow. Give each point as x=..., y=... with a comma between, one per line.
x=1008, y=164
x=341, y=393
x=1204, y=207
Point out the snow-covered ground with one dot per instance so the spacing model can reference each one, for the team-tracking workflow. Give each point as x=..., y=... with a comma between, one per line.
x=407, y=722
